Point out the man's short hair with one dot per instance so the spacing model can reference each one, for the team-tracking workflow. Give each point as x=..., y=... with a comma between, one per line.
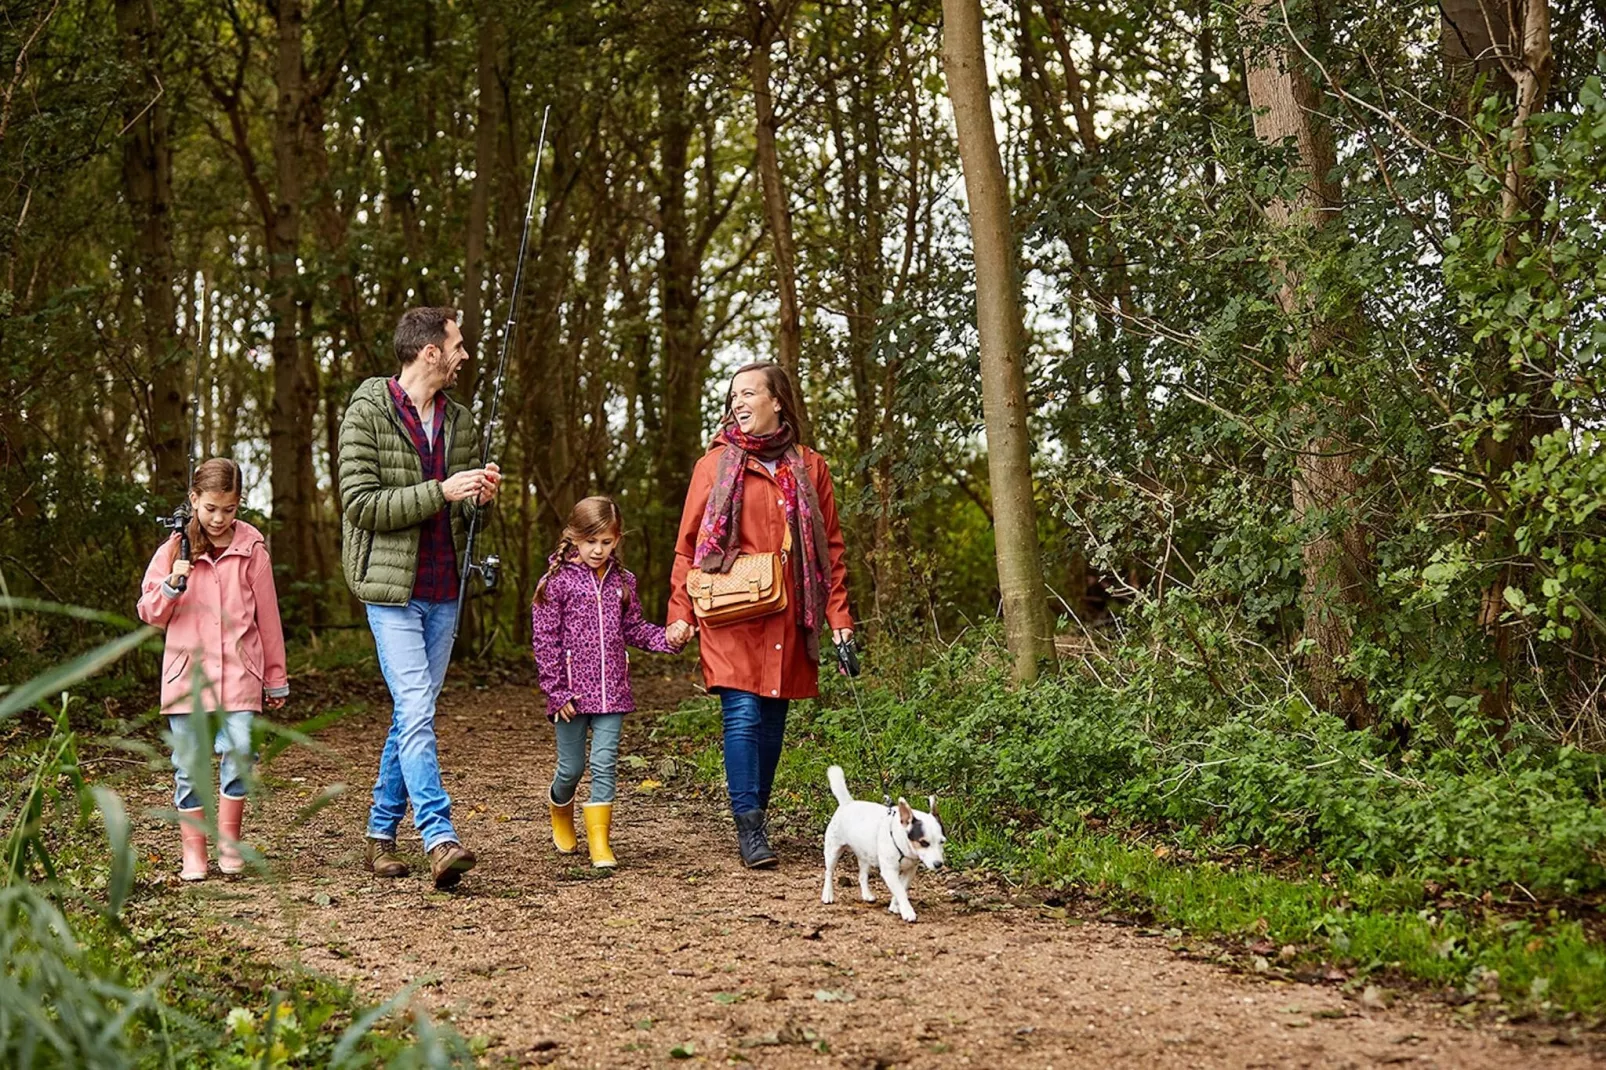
x=420, y=327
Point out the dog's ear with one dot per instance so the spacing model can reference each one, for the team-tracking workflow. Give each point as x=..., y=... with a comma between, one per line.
x=905, y=815
x=931, y=801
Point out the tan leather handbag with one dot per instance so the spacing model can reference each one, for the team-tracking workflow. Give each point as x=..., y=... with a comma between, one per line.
x=755, y=586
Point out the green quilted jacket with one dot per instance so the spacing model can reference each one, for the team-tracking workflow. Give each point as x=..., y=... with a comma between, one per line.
x=384, y=496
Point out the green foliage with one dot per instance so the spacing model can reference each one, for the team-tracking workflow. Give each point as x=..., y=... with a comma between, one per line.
x=99, y=972
x=1290, y=827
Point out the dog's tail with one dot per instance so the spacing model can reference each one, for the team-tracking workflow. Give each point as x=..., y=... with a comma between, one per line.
x=839, y=785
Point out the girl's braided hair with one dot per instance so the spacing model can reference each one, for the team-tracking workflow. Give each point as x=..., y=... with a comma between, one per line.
x=216, y=476
x=590, y=517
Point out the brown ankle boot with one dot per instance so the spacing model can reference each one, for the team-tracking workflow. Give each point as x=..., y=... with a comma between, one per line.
x=382, y=860
x=448, y=862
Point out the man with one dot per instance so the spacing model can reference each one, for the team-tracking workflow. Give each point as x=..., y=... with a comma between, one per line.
x=406, y=493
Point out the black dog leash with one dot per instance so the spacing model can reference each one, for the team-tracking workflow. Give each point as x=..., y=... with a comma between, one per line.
x=847, y=660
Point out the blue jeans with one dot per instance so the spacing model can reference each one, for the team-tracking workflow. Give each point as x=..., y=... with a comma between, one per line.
x=605, y=729
x=754, y=728
x=414, y=644
x=231, y=740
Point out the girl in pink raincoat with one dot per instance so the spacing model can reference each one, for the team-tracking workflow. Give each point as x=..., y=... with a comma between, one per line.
x=224, y=653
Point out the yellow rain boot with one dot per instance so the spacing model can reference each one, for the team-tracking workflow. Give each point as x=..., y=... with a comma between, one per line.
x=563, y=837
x=598, y=817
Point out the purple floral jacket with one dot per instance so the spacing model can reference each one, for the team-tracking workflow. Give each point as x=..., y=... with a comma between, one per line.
x=579, y=634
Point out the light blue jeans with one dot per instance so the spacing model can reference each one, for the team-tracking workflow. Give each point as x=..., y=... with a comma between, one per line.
x=605, y=729
x=415, y=645
x=231, y=740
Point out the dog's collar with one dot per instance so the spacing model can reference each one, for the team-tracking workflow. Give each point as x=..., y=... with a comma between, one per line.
x=894, y=837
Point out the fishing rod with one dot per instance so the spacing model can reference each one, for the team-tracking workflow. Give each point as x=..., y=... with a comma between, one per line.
x=179, y=519
x=489, y=568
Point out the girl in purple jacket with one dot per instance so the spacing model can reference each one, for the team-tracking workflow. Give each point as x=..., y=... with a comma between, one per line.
x=586, y=610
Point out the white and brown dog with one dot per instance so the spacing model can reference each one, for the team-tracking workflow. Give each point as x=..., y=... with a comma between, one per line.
x=898, y=839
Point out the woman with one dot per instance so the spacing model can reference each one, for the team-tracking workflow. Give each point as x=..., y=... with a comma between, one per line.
x=755, y=481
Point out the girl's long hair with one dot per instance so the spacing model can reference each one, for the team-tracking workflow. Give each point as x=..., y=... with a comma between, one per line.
x=590, y=517
x=216, y=476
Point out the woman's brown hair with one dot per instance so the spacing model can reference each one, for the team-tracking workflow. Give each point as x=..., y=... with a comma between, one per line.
x=216, y=476
x=778, y=383
x=590, y=517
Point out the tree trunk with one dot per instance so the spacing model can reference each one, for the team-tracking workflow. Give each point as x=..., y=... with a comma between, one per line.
x=1336, y=563
x=291, y=415
x=999, y=327
x=1507, y=44
x=681, y=383
x=148, y=185
x=479, y=205
x=769, y=23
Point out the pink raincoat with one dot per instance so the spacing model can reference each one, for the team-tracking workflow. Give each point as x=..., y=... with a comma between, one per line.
x=226, y=623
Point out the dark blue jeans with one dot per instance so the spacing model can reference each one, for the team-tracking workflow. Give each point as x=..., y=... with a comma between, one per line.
x=754, y=728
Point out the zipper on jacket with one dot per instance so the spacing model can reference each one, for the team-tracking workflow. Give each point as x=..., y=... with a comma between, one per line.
x=602, y=639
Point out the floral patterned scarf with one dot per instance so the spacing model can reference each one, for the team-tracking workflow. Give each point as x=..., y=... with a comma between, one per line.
x=719, y=537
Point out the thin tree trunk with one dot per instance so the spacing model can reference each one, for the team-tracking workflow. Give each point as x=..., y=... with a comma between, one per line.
x=486, y=113
x=1508, y=44
x=1337, y=564
x=1001, y=333
x=148, y=185
x=290, y=417
x=769, y=24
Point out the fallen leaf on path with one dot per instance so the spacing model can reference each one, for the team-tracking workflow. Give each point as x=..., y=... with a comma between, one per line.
x=834, y=996
x=649, y=785
x=683, y=1051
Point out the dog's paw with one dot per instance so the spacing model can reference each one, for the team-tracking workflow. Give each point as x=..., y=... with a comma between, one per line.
x=829, y=895
x=910, y=916
x=868, y=897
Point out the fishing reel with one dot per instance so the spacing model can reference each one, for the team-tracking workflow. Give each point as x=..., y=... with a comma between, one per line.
x=847, y=658
x=179, y=520
x=489, y=568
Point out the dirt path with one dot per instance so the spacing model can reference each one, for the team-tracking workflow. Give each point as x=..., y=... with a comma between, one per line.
x=682, y=950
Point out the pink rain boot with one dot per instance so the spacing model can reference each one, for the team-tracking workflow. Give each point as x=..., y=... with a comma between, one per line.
x=229, y=813
x=192, y=833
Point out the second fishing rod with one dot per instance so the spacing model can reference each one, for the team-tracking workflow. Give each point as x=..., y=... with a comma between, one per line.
x=489, y=568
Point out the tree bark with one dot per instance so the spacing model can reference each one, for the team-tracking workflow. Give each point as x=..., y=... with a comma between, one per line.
x=769, y=24
x=999, y=327
x=148, y=186
x=1336, y=560
x=291, y=414
x=1507, y=43
x=486, y=113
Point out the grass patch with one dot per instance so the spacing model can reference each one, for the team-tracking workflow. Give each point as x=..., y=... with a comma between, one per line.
x=107, y=966
x=1069, y=790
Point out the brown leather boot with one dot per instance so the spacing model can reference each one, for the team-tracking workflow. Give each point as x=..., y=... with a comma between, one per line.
x=448, y=862
x=382, y=860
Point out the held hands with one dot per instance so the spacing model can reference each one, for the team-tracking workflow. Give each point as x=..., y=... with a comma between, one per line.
x=678, y=634
x=477, y=483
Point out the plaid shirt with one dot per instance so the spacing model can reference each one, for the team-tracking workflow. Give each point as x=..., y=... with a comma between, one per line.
x=437, y=556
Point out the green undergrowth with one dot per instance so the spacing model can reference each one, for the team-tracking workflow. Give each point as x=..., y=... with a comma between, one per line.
x=108, y=964
x=1466, y=867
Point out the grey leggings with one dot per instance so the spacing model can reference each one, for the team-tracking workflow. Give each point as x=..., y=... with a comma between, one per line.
x=605, y=728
